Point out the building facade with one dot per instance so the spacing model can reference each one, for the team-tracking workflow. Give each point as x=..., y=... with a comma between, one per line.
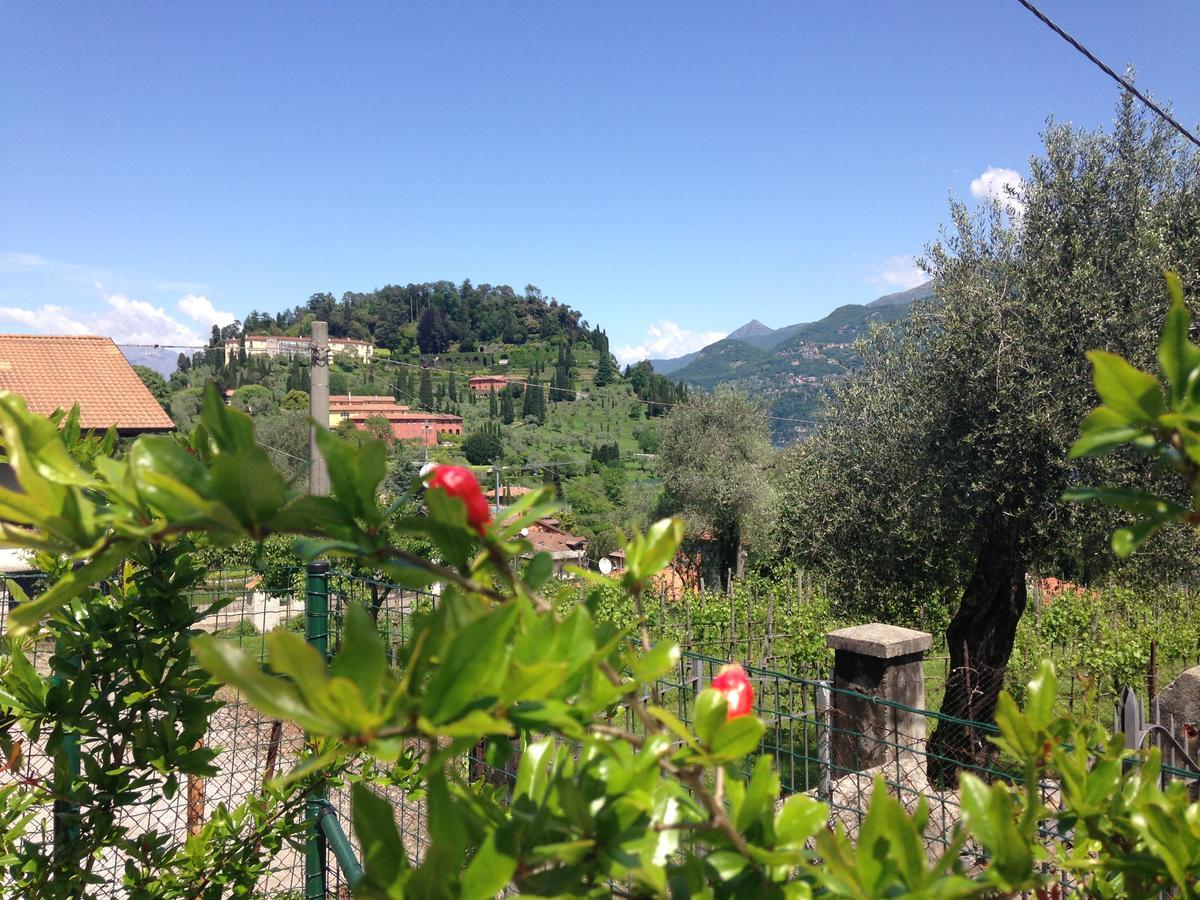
x=291, y=347
x=406, y=424
x=485, y=383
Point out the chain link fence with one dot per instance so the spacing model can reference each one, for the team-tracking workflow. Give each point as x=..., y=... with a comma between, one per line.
x=818, y=747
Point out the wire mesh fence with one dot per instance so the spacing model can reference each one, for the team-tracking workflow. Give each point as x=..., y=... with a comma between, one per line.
x=827, y=740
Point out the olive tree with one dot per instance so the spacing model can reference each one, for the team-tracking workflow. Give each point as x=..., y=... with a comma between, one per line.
x=939, y=472
x=714, y=456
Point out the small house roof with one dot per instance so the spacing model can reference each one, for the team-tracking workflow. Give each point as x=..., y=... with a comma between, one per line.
x=57, y=371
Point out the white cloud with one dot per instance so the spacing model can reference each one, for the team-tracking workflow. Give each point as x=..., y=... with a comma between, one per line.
x=200, y=309
x=125, y=320
x=898, y=272
x=10, y=262
x=993, y=184
x=666, y=340
x=46, y=319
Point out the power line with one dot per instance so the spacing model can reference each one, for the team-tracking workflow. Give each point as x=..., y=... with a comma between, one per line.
x=549, y=387
x=526, y=384
x=168, y=346
x=303, y=459
x=1119, y=79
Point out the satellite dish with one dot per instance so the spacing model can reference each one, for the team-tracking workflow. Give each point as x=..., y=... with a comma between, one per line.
x=427, y=468
x=605, y=565
x=524, y=532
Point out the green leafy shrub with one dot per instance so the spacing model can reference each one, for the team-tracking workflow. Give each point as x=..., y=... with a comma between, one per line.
x=597, y=805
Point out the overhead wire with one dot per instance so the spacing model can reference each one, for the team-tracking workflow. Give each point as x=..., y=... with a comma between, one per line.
x=524, y=383
x=548, y=387
x=1124, y=82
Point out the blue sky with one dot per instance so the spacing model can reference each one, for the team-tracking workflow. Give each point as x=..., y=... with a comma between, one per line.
x=670, y=169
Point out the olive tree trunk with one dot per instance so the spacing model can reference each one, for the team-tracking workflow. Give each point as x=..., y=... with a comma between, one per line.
x=980, y=641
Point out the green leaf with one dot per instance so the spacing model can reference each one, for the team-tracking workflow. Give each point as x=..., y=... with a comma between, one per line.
x=355, y=473
x=362, y=656
x=662, y=658
x=533, y=775
x=1040, y=696
x=231, y=430
x=708, y=714
x=1135, y=394
x=384, y=860
x=290, y=654
x=274, y=697
x=472, y=668
x=1178, y=357
x=538, y=570
x=1100, y=440
x=647, y=554
x=1126, y=540
x=798, y=819
x=1140, y=503
x=757, y=805
x=249, y=484
x=1160, y=829
x=737, y=737
x=991, y=817
x=72, y=584
x=489, y=871
x=672, y=724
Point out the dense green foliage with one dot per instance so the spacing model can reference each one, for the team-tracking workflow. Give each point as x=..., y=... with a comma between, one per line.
x=667, y=808
x=432, y=316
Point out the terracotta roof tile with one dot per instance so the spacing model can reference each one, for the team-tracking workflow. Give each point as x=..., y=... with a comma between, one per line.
x=53, y=372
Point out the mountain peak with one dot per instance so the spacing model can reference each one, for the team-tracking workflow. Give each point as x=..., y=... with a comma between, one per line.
x=753, y=328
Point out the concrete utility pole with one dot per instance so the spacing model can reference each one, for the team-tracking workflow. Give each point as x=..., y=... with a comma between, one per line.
x=318, y=407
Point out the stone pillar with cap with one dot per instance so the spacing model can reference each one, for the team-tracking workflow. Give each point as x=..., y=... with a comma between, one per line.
x=876, y=662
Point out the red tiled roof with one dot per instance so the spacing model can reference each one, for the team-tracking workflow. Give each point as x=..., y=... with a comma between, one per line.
x=53, y=372
x=555, y=542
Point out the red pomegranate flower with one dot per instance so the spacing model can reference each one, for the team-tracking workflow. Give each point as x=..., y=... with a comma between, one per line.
x=732, y=681
x=460, y=482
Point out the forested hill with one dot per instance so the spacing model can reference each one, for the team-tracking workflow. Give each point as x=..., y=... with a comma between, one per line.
x=443, y=312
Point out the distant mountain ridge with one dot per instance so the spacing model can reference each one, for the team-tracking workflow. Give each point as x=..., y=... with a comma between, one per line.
x=789, y=366
x=159, y=359
x=903, y=298
x=764, y=337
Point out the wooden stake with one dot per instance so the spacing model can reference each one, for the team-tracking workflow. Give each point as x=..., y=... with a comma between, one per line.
x=195, y=801
x=273, y=743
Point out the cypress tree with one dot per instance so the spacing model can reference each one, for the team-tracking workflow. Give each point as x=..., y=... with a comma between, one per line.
x=529, y=403
x=540, y=404
x=426, y=392
x=606, y=372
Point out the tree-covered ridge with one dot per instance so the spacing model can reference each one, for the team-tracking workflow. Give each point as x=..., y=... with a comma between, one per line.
x=433, y=316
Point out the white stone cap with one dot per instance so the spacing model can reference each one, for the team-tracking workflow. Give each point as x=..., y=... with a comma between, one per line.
x=879, y=640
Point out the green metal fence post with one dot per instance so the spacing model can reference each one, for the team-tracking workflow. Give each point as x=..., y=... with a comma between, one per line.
x=340, y=845
x=66, y=812
x=316, y=629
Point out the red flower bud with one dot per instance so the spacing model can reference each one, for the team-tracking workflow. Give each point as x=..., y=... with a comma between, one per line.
x=732, y=681
x=460, y=482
